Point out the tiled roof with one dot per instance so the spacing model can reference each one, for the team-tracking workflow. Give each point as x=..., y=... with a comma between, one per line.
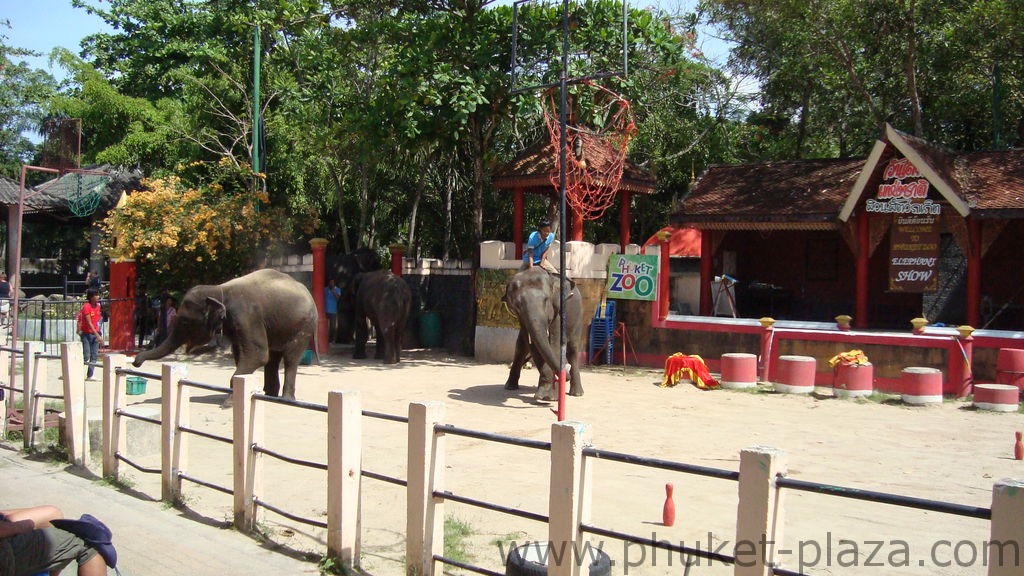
x=51, y=197
x=533, y=168
x=808, y=191
x=797, y=190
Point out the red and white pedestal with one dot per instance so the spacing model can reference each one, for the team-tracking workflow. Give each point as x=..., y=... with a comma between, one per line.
x=921, y=386
x=1010, y=367
x=739, y=370
x=996, y=397
x=795, y=374
x=853, y=380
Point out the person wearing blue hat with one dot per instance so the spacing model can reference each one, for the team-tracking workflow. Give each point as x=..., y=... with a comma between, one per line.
x=537, y=246
x=38, y=540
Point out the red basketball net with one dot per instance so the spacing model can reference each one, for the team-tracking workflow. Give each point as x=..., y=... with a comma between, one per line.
x=597, y=138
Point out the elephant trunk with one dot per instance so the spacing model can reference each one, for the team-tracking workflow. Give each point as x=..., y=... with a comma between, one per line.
x=537, y=327
x=169, y=345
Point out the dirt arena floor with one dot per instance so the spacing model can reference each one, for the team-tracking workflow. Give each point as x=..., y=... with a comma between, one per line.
x=947, y=452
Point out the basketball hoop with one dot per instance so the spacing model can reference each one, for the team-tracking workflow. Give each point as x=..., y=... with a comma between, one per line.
x=597, y=139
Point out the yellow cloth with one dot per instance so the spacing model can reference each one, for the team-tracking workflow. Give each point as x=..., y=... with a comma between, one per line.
x=853, y=357
x=693, y=368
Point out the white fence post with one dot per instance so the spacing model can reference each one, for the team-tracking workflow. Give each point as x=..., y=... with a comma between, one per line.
x=174, y=412
x=28, y=399
x=569, y=499
x=424, y=531
x=113, y=399
x=1004, y=548
x=76, y=421
x=248, y=430
x=344, y=475
x=7, y=371
x=760, y=513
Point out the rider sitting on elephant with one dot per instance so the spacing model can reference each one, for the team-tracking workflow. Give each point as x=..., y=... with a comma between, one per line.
x=537, y=247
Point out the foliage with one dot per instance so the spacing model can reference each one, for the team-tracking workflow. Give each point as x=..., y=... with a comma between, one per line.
x=23, y=90
x=182, y=235
x=455, y=534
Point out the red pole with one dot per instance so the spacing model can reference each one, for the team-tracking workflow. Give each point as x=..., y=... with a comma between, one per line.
x=397, y=254
x=964, y=377
x=577, y=225
x=624, y=220
x=517, y=222
x=973, y=271
x=860, y=309
x=319, y=246
x=706, y=272
x=122, y=296
x=664, y=278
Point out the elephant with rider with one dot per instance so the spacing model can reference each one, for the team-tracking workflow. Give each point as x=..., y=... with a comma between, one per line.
x=533, y=297
x=268, y=317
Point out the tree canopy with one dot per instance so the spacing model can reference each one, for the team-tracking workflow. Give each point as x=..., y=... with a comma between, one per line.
x=381, y=122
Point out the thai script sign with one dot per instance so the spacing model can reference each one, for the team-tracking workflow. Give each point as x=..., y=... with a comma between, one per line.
x=632, y=276
x=914, y=254
x=903, y=191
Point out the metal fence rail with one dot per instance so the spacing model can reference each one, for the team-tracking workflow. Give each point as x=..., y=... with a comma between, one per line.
x=138, y=467
x=383, y=478
x=464, y=566
x=209, y=485
x=207, y=435
x=662, y=464
x=660, y=544
x=886, y=498
x=489, y=506
x=288, y=515
x=124, y=414
x=500, y=438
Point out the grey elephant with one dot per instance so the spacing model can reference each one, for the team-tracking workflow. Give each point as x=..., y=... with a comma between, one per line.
x=267, y=315
x=384, y=299
x=344, y=268
x=532, y=297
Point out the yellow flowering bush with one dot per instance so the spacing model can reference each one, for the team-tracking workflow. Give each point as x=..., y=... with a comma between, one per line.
x=180, y=236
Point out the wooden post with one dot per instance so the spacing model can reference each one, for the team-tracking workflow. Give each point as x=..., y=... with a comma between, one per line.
x=664, y=278
x=517, y=222
x=113, y=434
x=248, y=430
x=28, y=386
x=862, y=272
x=569, y=499
x=707, y=273
x=76, y=422
x=760, y=513
x=973, y=295
x=1004, y=548
x=344, y=476
x=424, y=531
x=174, y=413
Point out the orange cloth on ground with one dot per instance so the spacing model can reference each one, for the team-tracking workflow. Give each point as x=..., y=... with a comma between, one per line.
x=853, y=357
x=679, y=366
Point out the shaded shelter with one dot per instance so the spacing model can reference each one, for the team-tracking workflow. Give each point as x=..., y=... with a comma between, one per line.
x=531, y=173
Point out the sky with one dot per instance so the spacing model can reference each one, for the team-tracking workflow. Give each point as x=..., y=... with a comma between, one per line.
x=42, y=25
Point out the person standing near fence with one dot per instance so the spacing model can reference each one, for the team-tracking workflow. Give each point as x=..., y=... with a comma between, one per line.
x=5, y=299
x=89, y=318
x=332, y=294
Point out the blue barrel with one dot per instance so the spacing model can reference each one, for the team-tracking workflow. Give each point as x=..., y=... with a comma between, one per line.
x=430, y=329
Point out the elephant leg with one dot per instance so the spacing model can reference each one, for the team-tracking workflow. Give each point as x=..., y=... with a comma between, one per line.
x=291, y=370
x=383, y=339
x=518, y=360
x=575, y=385
x=271, y=375
x=361, y=336
x=243, y=366
x=545, y=383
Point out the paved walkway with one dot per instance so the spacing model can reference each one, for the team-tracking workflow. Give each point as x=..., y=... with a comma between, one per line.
x=151, y=540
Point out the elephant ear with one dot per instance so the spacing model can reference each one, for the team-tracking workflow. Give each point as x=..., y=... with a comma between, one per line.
x=216, y=312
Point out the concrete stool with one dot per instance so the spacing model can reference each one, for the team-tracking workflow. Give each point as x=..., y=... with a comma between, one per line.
x=739, y=370
x=921, y=385
x=853, y=380
x=1010, y=367
x=143, y=438
x=795, y=374
x=996, y=397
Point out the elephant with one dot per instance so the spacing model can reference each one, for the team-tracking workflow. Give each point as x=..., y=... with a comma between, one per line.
x=384, y=299
x=344, y=270
x=532, y=297
x=267, y=315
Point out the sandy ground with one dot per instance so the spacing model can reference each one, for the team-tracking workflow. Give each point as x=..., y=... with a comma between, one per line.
x=948, y=452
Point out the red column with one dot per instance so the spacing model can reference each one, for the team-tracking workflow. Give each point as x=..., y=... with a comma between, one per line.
x=397, y=254
x=706, y=272
x=624, y=219
x=860, y=308
x=577, y=224
x=766, y=347
x=973, y=271
x=122, y=304
x=319, y=246
x=961, y=375
x=517, y=222
x=664, y=277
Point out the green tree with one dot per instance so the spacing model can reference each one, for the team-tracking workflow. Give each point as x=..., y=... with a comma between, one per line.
x=24, y=92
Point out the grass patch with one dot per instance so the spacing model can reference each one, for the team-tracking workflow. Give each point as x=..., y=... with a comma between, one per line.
x=881, y=398
x=508, y=538
x=456, y=532
x=122, y=483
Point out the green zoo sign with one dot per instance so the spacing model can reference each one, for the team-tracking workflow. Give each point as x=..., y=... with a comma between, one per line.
x=632, y=276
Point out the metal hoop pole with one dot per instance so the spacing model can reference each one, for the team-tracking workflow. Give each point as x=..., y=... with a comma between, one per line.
x=561, y=209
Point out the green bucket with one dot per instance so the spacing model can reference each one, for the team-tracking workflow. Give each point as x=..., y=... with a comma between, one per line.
x=430, y=329
x=307, y=358
x=136, y=385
